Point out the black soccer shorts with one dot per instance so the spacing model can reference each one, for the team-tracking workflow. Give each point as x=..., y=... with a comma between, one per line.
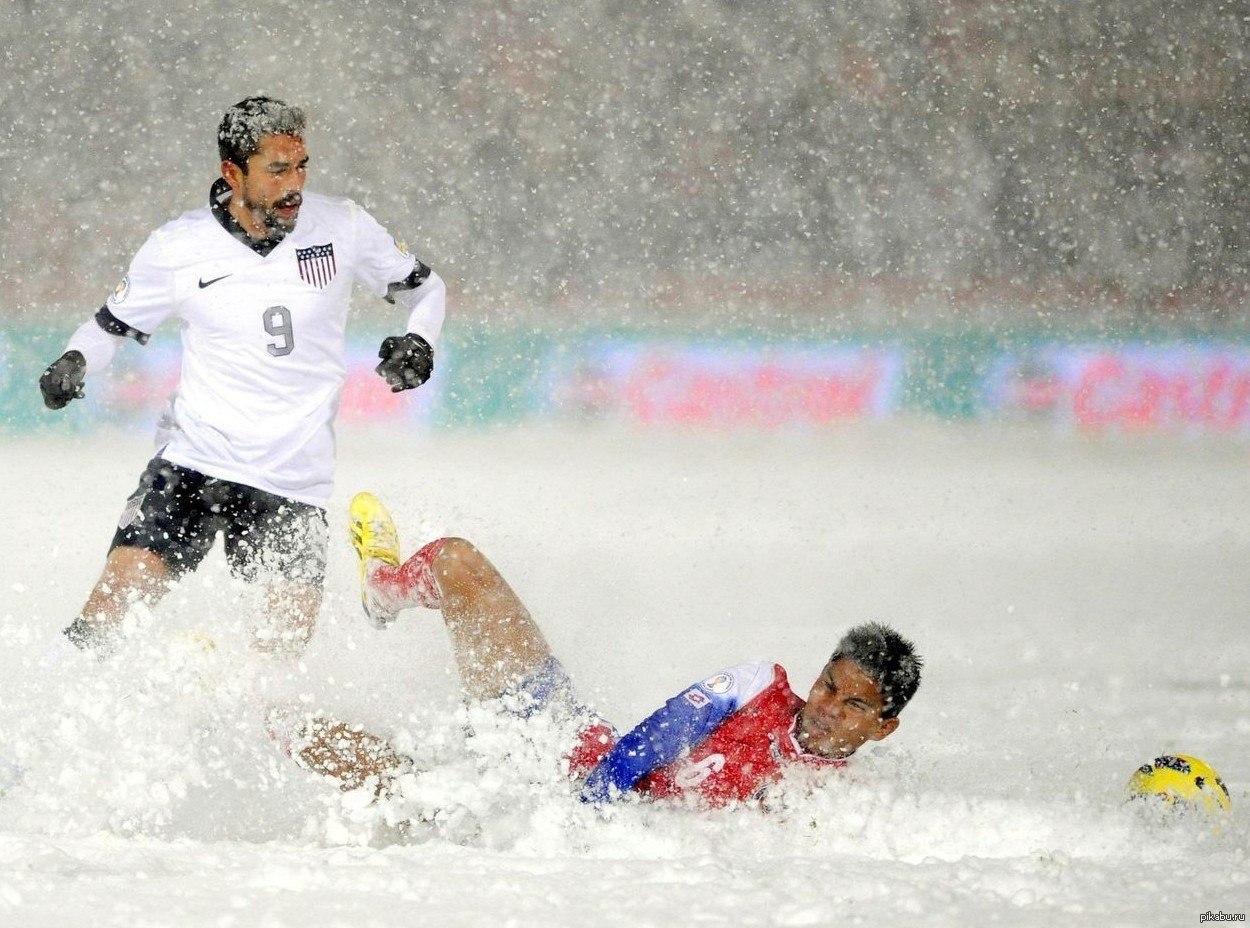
x=177, y=513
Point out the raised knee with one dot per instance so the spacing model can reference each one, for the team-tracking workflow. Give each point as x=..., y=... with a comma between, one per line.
x=459, y=561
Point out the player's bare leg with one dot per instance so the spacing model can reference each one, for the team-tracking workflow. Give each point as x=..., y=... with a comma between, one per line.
x=499, y=649
x=290, y=615
x=130, y=575
x=333, y=748
x=494, y=639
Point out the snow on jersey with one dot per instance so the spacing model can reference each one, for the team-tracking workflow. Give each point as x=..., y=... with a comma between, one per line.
x=724, y=739
x=263, y=359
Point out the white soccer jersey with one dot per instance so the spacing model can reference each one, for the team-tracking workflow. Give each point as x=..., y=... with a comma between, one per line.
x=263, y=337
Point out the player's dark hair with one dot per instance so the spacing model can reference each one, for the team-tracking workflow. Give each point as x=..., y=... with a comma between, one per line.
x=887, y=657
x=245, y=123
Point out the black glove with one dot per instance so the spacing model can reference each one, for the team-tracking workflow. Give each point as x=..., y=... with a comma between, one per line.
x=63, y=380
x=407, y=361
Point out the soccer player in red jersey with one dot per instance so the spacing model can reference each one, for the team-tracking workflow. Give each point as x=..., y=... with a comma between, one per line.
x=723, y=739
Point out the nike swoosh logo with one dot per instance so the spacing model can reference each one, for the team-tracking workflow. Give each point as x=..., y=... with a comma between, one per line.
x=208, y=283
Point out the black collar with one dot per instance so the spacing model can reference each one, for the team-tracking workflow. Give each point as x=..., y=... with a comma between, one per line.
x=218, y=196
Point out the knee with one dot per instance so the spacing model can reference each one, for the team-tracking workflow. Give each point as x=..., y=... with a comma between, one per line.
x=135, y=567
x=283, y=641
x=459, y=564
x=286, y=625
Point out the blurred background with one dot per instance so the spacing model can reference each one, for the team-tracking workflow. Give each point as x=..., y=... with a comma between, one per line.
x=764, y=318
x=710, y=210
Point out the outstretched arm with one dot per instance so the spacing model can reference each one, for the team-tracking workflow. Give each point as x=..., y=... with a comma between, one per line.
x=90, y=350
x=144, y=297
x=661, y=738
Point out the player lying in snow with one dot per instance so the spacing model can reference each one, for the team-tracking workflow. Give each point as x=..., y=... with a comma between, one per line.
x=726, y=738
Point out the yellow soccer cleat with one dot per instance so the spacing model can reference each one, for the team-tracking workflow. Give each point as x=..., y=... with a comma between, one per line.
x=376, y=542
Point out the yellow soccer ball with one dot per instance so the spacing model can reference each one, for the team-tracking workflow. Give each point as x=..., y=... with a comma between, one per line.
x=1183, y=781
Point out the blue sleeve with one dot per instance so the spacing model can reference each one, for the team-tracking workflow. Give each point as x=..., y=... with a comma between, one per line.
x=659, y=739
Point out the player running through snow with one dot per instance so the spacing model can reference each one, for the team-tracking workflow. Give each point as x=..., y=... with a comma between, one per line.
x=723, y=739
x=260, y=280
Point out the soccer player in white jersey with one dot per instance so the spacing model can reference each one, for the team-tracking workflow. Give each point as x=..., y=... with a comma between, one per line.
x=723, y=739
x=259, y=280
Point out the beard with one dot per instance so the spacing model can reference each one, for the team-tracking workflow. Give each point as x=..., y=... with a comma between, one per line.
x=276, y=225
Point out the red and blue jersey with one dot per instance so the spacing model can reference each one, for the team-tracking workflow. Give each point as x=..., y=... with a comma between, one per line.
x=723, y=739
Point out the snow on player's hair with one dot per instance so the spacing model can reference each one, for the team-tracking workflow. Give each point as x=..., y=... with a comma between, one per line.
x=887, y=657
x=245, y=123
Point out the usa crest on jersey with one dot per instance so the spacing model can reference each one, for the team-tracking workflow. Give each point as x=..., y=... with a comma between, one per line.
x=316, y=264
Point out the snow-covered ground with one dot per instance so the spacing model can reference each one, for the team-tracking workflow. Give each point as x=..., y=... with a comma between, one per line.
x=1082, y=605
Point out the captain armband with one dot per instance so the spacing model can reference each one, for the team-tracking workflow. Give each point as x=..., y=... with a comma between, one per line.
x=113, y=326
x=420, y=274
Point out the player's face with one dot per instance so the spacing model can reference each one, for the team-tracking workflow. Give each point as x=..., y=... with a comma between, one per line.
x=843, y=711
x=270, y=193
